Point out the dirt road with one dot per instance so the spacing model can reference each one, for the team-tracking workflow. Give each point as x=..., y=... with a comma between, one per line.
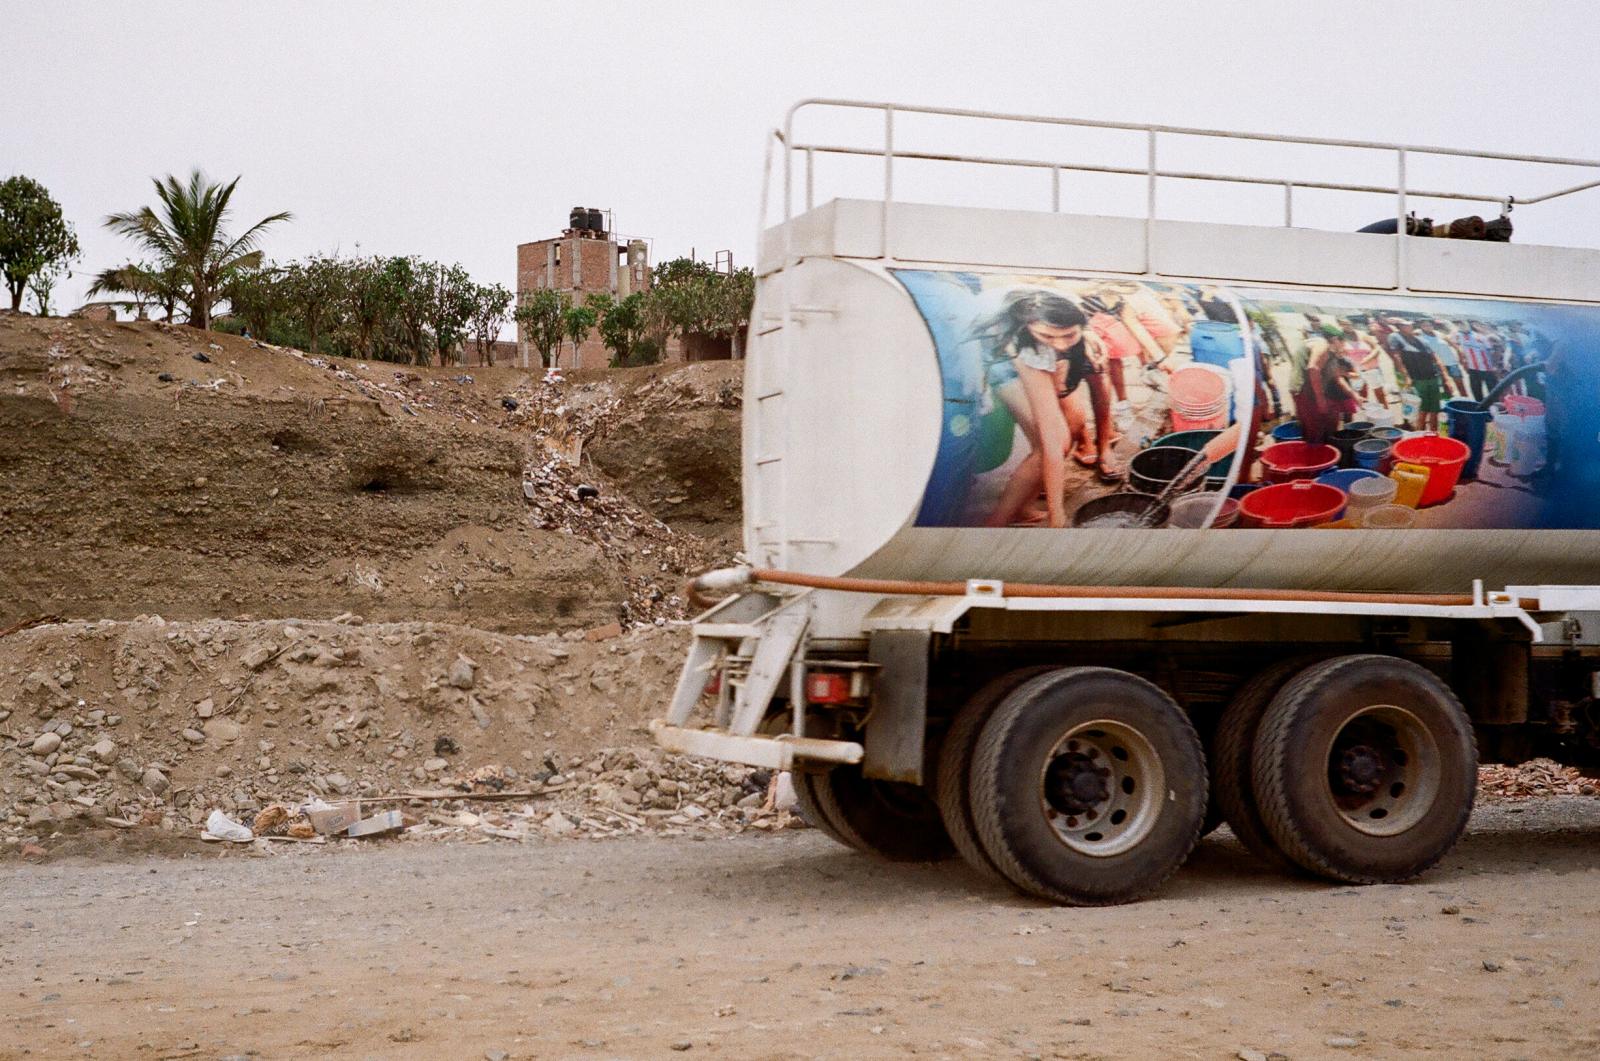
x=787, y=946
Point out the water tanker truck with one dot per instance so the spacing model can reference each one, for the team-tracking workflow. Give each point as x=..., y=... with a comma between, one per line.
x=1069, y=536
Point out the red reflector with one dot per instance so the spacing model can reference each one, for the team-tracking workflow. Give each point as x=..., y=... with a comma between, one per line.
x=827, y=688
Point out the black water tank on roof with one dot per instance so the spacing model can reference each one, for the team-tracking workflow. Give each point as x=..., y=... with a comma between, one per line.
x=578, y=219
x=597, y=221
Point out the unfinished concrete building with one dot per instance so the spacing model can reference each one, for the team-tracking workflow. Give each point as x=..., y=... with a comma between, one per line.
x=587, y=258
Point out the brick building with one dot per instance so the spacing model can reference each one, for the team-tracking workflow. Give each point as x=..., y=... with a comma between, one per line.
x=585, y=259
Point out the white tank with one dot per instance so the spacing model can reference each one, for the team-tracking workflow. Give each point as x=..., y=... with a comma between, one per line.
x=882, y=429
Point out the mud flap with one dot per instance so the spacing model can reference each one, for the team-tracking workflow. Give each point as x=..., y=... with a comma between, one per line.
x=898, y=723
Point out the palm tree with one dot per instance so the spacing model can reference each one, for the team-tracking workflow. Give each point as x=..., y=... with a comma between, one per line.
x=143, y=285
x=188, y=236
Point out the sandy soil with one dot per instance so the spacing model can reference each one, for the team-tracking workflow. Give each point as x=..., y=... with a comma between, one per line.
x=147, y=468
x=788, y=946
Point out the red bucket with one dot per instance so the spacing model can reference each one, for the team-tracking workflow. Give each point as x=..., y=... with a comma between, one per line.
x=1522, y=405
x=1444, y=459
x=1285, y=461
x=1302, y=503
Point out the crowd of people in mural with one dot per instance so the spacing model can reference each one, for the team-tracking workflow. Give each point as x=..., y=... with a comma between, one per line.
x=1338, y=363
x=1086, y=388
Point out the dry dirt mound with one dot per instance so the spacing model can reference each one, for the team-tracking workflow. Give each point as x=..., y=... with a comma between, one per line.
x=160, y=722
x=669, y=437
x=150, y=468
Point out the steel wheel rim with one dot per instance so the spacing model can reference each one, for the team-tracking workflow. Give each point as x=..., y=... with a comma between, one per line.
x=1111, y=815
x=1384, y=770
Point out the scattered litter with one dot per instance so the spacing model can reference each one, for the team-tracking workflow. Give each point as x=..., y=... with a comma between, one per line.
x=221, y=827
x=389, y=821
x=331, y=819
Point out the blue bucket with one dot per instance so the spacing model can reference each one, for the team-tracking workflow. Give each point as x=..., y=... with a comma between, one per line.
x=1468, y=422
x=1343, y=477
x=1216, y=342
x=1374, y=453
x=1289, y=431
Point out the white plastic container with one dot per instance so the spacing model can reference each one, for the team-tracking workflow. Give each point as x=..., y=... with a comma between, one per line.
x=1368, y=494
x=1389, y=517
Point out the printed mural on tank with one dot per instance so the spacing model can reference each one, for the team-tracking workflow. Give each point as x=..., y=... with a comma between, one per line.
x=1093, y=402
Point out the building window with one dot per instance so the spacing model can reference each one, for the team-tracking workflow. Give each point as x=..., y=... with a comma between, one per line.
x=558, y=254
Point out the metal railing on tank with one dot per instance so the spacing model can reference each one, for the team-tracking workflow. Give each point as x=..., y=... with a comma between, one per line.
x=1152, y=172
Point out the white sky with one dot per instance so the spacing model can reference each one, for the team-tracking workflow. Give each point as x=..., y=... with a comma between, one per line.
x=457, y=130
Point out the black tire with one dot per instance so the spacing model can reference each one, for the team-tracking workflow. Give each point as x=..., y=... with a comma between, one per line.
x=1019, y=814
x=805, y=794
x=1232, y=764
x=1208, y=735
x=955, y=763
x=893, y=820
x=1324, y=806
x=1213, y=819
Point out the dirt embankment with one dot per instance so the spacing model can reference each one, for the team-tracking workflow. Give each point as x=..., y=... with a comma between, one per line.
x=669, y=437
x=154, y=469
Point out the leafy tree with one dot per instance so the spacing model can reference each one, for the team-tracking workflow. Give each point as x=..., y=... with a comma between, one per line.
x=690, y=298
x=313, y=290
x=369, y=305
x=42, y=284
x=411, y=303
x=257, y=297
x=490, y=307
x=622, y=326
x=188, y=234
x=577, y=322
x=453, y=296
x=34, y=239
x=679, y=270
x=736, y=297
x=543, y=316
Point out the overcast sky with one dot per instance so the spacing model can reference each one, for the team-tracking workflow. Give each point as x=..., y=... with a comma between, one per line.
x=457, y=130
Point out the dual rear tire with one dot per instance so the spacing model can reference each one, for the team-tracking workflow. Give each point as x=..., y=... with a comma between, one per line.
x=1360, y=769
x=1084, y=785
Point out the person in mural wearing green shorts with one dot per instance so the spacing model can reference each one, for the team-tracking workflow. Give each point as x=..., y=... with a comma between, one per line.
x=1422, y=368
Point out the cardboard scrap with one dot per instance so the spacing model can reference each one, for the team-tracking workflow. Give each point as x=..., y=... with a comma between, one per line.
x=389, y=821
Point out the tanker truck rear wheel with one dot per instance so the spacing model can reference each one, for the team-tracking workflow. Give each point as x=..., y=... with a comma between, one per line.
x=952, y=776
x=805, y=794
x=893, y=820
x=1365, y=768
x=1088, y=786
x=1232, y=759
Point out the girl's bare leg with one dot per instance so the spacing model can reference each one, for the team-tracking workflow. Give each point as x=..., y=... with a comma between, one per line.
x=1040, y=387
x=1025, y=478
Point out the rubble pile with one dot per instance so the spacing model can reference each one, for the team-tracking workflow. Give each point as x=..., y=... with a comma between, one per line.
x=160, y=723
x=560, y=500
x=615, y=792
x=1534, y=779
x=689, y=476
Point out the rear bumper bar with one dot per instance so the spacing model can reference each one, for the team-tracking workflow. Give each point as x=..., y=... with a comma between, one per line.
x=774, y=753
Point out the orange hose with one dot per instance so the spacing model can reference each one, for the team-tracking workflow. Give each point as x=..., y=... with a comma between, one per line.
x=1034, y=589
